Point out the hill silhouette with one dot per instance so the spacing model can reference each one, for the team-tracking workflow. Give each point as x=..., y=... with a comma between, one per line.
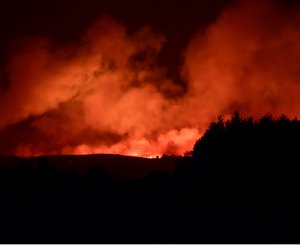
x=119, y=166
x=240, y=185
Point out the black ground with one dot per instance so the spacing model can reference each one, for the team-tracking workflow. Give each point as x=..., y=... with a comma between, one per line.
x=240, y=186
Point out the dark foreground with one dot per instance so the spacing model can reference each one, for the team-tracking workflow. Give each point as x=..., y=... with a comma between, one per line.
x=240, y=186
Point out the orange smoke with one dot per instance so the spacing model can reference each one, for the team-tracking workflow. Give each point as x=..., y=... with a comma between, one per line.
x=248, y=61
x=106, y=94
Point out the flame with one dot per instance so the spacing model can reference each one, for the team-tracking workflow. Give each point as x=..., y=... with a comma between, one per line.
x=106, y=94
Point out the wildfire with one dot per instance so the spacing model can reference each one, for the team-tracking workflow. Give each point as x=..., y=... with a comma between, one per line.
x=106, y=94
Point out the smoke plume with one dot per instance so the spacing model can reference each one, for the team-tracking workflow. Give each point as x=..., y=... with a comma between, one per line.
x=105, y=93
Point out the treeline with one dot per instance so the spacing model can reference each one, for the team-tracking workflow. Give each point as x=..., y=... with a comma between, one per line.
x=251, y=161
x=241, y=184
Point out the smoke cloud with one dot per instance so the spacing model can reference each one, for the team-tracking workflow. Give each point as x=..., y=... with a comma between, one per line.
x=247, y=61
x=106, y=94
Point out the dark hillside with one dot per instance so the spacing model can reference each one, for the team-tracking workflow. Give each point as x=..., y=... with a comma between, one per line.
x=241, y=185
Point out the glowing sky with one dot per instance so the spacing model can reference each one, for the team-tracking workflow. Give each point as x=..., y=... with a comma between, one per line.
x=130, y=80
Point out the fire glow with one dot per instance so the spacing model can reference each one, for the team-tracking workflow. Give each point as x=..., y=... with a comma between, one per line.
x=106, y=94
